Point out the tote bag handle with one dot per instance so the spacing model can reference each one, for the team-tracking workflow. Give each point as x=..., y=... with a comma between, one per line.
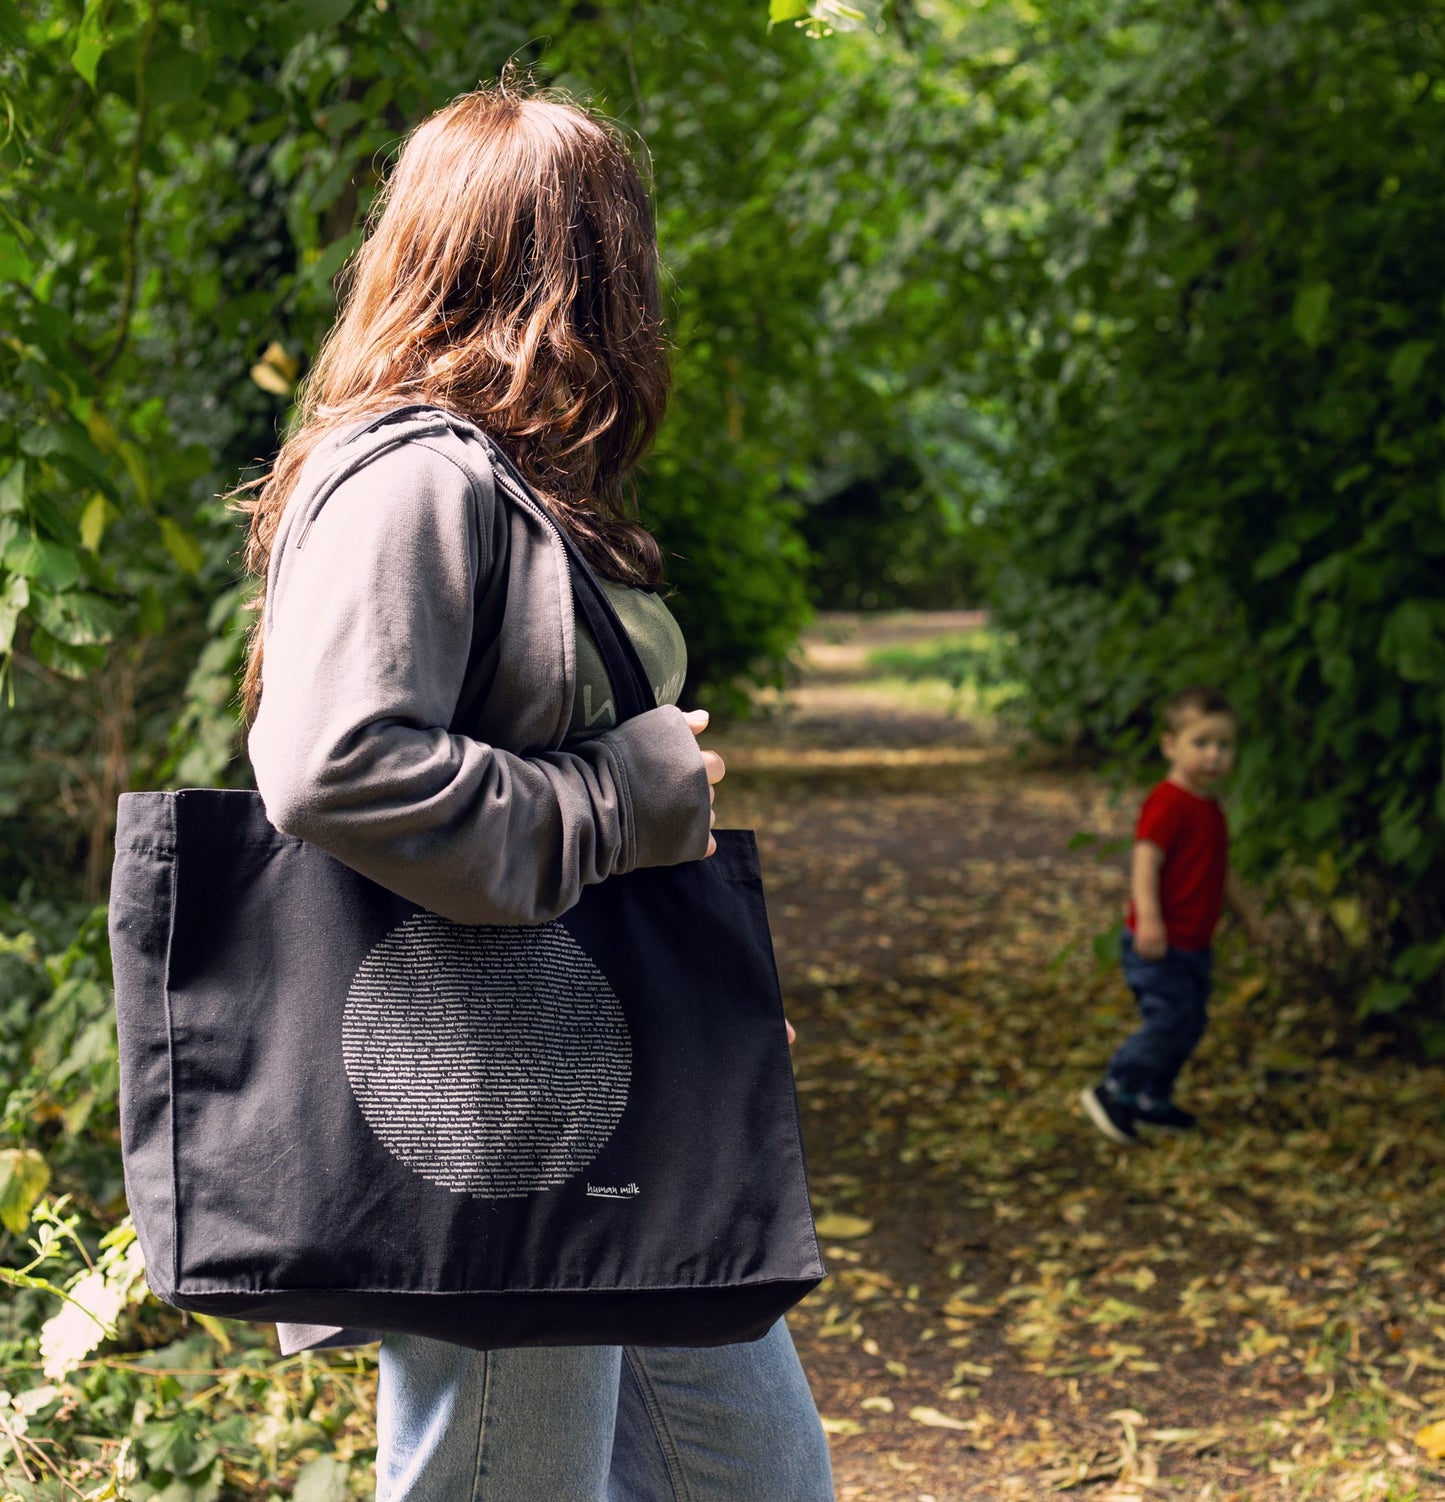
x=628, y=677
x=619, y=656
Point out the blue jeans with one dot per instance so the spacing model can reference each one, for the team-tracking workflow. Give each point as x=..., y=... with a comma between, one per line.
x=1173, y=996
x=598, y=1424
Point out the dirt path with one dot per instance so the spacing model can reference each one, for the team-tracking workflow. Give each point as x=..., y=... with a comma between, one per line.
x=1016, y=1307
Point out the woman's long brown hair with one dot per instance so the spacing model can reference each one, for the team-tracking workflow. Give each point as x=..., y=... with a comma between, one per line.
x=511, y=277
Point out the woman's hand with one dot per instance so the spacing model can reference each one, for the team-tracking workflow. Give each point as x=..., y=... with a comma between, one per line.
x=697, y=722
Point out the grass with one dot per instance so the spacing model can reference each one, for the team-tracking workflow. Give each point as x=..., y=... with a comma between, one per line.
x=970, y=664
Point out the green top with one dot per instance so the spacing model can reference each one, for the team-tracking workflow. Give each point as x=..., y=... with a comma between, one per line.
x=659, y=643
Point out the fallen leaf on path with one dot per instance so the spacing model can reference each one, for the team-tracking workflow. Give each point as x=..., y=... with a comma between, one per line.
x=1431, y=1439
x=1235, y=1278
x=839, y=1227
x=936, y=1420
x=963, y=1309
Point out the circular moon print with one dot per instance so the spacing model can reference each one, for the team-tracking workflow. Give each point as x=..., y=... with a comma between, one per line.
x=492, y=1061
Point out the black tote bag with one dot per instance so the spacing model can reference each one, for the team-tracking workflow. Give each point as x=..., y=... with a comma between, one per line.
x=338, y=1108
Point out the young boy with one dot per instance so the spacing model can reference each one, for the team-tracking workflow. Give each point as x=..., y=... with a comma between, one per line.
x=1180, y=882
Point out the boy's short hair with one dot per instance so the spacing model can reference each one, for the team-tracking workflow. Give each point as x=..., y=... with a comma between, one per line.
x=1191, y=701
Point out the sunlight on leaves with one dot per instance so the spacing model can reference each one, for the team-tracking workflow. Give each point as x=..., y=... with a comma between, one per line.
x=276, y=371
x=93, y=1304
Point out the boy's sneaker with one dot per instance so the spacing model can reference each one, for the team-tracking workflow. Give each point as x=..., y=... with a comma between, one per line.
x=1113, y=1117
x=1164, y=1114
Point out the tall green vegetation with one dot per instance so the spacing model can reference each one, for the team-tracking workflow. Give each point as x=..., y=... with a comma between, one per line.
x=1152, y=296
x=1221, y=361
x=1124, y=312
x=180, y=184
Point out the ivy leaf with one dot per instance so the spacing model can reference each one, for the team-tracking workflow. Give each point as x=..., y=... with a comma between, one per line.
x=321, y=272
x=175, y=1446
x=97, y=516
x=24, y=1175
x=182, y=546
x=1407, y=361
x=321, y=1480
x=48, y=563
x=15, y=265
x=78, y=619
x=1412, y=642
x=269, y=379
x=1275, y=560
x=13, y=600
x=276, y=371
x=89, y=42
x=66, y=441
x=12, y=488
x=76, y=663
x=1311, y=307
x=1385, y=997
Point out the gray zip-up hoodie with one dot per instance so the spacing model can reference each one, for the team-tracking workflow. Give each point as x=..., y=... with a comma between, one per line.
x=419, y=672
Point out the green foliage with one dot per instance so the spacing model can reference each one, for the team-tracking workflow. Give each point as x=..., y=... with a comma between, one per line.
x=977, y=664
x=1210, y=342
x=58, y=1061
x=194, y=1409
x=181, y=184
x=1125, y=314
x=883, y=542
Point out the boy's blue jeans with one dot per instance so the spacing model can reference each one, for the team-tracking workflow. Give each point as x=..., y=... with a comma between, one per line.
x=598, y=1424
x=1173, y=996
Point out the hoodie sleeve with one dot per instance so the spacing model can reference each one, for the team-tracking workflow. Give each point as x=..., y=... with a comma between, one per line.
x=368, y=631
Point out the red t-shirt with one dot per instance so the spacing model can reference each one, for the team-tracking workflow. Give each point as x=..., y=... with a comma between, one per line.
x=1191, y=832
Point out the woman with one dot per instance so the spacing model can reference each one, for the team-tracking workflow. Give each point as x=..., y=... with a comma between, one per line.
x=428, y=712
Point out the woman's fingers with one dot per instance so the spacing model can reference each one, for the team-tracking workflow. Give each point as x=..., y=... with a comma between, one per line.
x=713, y=765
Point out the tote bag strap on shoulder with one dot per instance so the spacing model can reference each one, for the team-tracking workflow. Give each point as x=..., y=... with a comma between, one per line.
x=619, y=655
x=628, y=677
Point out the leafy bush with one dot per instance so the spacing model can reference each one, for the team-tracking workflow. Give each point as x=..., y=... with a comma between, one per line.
x=181, y=184
x=882, y=542
x=1225, y=375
